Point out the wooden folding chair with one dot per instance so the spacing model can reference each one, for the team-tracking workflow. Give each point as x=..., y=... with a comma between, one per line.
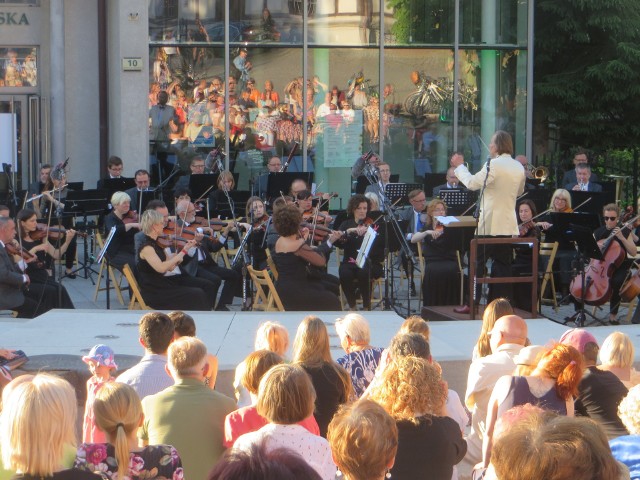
x=115, y=282
x=548, y=250
x=272, y=265
x=266, y=297
x=137, y=302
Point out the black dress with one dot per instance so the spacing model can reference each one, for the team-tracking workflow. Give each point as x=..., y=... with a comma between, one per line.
x=441, y=282
x=330, y=393
x=121, y=250
x=296, y=290
x=176, y=292
x=65, y=221
x=352, y=277
x=38, y=274
x=620, y=274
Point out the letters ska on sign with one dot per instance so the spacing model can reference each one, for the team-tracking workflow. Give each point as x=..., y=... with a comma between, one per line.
x=13, y=18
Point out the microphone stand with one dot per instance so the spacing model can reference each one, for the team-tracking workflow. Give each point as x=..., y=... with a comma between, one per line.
x=164, y=183
x=476, y=215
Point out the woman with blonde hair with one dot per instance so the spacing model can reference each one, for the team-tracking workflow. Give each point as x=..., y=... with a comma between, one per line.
x=219, y=202
x=118, y=413
x=285, y=398
x=271, y=336
x=37, y=424
x=617, y=355
x=553, y=385
x=626, y=448
x=331, y=382
x=361, y=359
x=494, y=310
x=414, y=394
x=364, y=440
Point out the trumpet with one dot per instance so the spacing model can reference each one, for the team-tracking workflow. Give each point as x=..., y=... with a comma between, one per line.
x=540, y=173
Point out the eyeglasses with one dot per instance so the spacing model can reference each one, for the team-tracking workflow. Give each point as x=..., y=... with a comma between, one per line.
x=419, y=200
x=610, y=218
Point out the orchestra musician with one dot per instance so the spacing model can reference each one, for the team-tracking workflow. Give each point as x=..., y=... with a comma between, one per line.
x=523, y=253
x=38, y=187
x=414, y=219
x=440, y=285
x=51, y=207
x=121, y=250
x=352, y=277
x=384, y=177
x=258, y=218
x=162, y=285
x=197, y=167
x=199, y=256
x=611, y=227
x=561, y=203
x=292, y=255
x=39, y=271
x=219, y=203
x=142, y=180
x=305, y=204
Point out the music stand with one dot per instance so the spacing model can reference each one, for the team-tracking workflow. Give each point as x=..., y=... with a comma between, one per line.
x=394, y=191
x=587, y=249
x=432, y=180
x=598, y=200
x=85, y=203
x=280, y=182
x=102, y=254
x=457, y=200
x=198, y=184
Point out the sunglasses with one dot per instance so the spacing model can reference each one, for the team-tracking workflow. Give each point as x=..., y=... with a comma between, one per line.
x=610, y=218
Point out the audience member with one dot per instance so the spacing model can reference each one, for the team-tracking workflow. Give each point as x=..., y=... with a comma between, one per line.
x=506, y=339
x=416, y=324
x=331, y=382
x=553, y=385
x=247, y=419
x=270, y=336
x=557, y=448
x=493, y=311
x=414, y=394
x=600, y=391
x=361, y=359
x=286, y=397
x=617, y=355
x=149, y=376
x=185, y=326
x=626, y=449
x=257, y=462
x=528, y=358
x=119, y=414
x=37, y=423
x=187, y=415
x=101, y=362
x=364, y=441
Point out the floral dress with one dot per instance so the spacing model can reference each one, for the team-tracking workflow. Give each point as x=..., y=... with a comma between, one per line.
x=160, y=462
x=361, y=366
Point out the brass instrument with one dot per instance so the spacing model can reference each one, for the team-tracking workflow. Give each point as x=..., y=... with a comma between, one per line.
x=540, y=173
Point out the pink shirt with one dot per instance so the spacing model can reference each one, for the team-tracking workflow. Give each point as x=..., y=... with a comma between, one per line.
x=247, y=419
x=90, y=431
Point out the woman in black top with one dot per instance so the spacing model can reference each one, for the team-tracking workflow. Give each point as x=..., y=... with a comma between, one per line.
x=39, y=270
x=121, y=250
x=441, y=282
x=162, y=285
x=352, y=277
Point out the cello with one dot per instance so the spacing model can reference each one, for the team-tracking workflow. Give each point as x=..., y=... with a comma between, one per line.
x=599, y=272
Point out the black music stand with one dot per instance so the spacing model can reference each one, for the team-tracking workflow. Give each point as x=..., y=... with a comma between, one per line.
x=457, y=200
x=394, y=191
x=598, y=200
x=198, y=184
x=587, y=248
x=432, y=180
x=85, y=203
x=280, y=182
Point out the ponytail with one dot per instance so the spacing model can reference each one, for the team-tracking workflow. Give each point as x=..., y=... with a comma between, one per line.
x=565, y=365
x=121, y=446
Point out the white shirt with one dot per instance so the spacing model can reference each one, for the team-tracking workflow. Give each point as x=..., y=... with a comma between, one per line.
x=312, y=448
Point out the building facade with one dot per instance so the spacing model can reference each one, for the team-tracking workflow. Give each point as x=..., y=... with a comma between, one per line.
x=411, y=80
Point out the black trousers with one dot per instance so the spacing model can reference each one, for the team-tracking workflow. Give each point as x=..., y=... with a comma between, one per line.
x=501, y=267
x=354, y=278
x=216, y=275
x=38, y=299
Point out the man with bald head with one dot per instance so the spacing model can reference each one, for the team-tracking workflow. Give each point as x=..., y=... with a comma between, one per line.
x=452, y=182
x=506, y=339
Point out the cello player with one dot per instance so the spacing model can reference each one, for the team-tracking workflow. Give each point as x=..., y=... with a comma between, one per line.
x=611, y=213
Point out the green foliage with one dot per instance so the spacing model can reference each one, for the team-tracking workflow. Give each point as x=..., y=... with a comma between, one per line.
x=587, y=69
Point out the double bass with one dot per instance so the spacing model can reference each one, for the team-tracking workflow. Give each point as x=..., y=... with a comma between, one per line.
x=597, y=286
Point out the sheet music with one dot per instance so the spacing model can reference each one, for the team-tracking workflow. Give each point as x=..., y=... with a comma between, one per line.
x=367, y=243
x=446, y=220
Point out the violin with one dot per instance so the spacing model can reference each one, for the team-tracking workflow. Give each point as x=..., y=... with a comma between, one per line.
x=130, y=217
x=20, y=251
x=524, y=227
x=53, y=233
x=320, y=232
x=215, y=223
x=165, y=240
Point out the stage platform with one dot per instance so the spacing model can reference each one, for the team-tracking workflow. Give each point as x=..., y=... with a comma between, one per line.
x=57, y=340
x=446, y=313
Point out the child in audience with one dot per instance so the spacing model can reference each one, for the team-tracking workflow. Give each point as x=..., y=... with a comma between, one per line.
x=101, y=362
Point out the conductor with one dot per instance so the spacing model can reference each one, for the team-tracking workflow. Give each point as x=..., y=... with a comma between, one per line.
x=503, y=180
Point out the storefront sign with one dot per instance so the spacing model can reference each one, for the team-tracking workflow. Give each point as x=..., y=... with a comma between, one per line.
x=13, y=18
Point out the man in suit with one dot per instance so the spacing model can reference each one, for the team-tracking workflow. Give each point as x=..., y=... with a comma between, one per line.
x=16, y=292
x=198, y=263
x=584, y=181
x=504, y=179
x=114, y=167
x=570, y=176
x=142, y=180
x=197, y=167
x=452, y=180
x=384, y=175
x=412, y=216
